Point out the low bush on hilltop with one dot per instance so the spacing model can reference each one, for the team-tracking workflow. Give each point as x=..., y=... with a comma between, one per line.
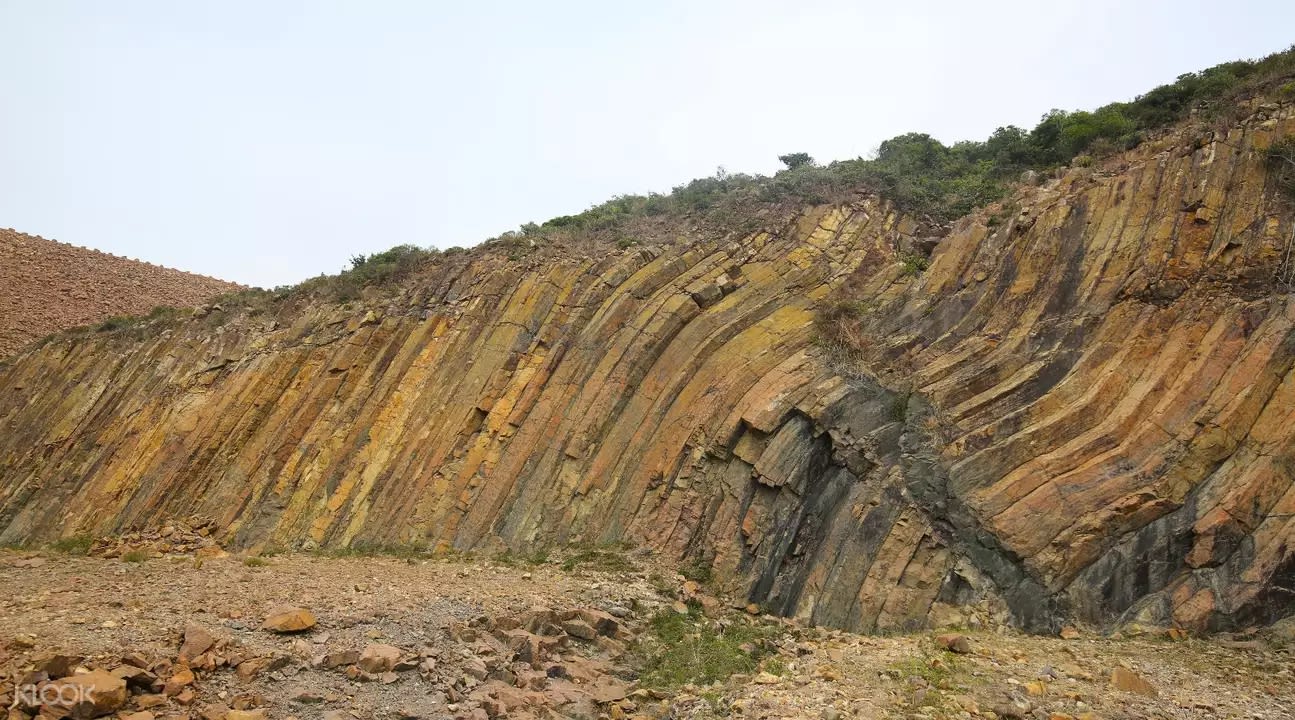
x=386, y=267
x=943, y=182
x=1281, y=165
x=918, y=173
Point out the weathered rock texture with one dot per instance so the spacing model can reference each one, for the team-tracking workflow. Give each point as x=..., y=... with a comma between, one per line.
x=1082, y=410
x=1109, y=375
x=47, y=286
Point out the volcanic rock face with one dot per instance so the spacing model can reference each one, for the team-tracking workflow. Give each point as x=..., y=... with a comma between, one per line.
x=1110, y=371
x=1082, y=409
x=47, y=286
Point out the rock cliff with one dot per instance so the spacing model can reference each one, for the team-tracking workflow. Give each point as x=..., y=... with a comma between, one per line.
x=1080, y=409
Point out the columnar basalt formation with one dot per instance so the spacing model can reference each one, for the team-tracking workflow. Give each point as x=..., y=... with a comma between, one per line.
x=667, y=393
x=1110, y=371
x=48, y=286
x=1080, y=409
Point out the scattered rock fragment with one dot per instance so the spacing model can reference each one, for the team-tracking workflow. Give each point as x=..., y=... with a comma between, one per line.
x=137, y=678
x=147, y=701
x=340, y=658
x=831, y=673
x=252, y=667
x=604, y=623
x=954, y=643
x=1129, y=681
x=379, y=658
x=176, y=684
x=1012, y=710
x=196, y=642
x=289, y=620
x=87, y=695
x=192, y=535
x=57, y=665
x=579, y=629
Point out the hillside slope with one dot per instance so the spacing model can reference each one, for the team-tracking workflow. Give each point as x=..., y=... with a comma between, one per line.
x=50, y=286
x=1081, y=409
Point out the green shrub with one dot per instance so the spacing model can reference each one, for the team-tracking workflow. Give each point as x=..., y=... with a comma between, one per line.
x=795, y=160
x=1281, y=165
x=913, y=264
x=925, y=177
x=939, y=674
x=919, y=174
x=384, y=268
x=509, y=558
x=663, y=586
x=605, y=558
x=679, y=649
x=698, y=571
x=163, y=311
x=115, y=322
x=361, y=549
x=74, y=545
x=897, y=409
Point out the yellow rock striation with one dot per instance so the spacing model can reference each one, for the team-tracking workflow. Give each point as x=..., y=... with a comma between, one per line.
x=1081, y=409
x=1110, y=371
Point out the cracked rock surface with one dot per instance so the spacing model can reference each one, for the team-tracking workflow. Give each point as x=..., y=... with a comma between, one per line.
x=1082, y=410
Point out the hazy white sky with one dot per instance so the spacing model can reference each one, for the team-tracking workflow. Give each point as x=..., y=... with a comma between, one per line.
x=265, y=142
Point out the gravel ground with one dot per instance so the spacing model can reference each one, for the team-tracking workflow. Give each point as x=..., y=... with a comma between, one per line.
x=103, y=609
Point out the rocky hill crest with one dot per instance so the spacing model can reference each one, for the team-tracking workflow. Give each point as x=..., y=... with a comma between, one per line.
x=49, y=286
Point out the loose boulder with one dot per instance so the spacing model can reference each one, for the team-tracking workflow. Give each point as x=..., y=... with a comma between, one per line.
x=85, y=696
x=954, y=643
x=378, y=658
x=1129, y=681
x=196, y=642
x=289, y=620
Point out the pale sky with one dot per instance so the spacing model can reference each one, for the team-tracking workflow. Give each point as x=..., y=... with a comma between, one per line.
x=266, y=142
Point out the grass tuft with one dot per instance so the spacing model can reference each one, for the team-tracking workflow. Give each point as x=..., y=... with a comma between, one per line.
x=605, y=558
x=509, y=558
x=74, y=545
x=681, y=649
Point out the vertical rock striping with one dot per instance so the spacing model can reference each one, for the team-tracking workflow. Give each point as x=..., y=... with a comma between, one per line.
x=1081, y=409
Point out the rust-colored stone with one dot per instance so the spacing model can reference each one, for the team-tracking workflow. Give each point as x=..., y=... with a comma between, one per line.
x=289, y=620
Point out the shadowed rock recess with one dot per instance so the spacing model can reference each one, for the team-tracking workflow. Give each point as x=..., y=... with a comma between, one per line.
x=1081, y=410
